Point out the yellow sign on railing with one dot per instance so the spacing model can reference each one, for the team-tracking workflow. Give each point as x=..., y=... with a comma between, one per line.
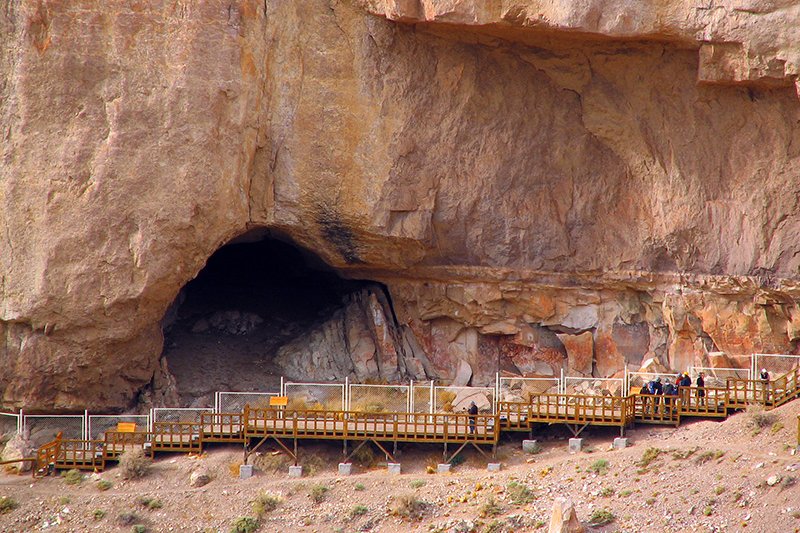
x=278, y=401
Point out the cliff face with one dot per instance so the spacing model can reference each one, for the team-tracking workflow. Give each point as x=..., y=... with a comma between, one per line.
x=536, y=183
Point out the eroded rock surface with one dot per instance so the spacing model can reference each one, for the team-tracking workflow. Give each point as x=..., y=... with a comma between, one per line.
x=520, y=177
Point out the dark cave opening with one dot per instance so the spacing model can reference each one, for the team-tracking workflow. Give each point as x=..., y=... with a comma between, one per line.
x=254, y=294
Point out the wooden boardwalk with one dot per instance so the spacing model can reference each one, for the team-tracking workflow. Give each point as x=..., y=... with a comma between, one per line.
x=280, y=425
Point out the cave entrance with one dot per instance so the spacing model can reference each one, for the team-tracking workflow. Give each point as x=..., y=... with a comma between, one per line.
x=255, y=293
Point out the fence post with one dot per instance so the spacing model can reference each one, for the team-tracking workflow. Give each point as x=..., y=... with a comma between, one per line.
x=410, y=402
x=282, y=393
x=433, y=398
x=86, y=428
x=625, y=386
x=20, y=423
x=562, y=384
x=346, y=394
x=496, y=392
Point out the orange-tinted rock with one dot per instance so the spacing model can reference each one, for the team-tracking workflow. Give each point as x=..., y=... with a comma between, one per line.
x=580, y=353
x=608, y=359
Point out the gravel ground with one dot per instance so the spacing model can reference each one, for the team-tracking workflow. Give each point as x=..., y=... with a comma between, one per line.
x=703, y=476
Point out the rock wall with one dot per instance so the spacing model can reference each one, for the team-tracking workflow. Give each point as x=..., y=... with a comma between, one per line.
x=539, y=185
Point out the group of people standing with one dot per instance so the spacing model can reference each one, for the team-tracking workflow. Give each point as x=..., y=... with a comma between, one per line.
x=669, y=390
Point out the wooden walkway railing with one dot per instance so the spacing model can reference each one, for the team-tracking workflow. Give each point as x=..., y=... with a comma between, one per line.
x=222, y=427
x=575, y=411
x=356, y=425
x=47, y=457
x=742, y=392
x=118, y=442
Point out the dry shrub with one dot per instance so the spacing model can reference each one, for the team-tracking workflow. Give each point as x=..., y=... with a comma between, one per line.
x=711, y=455
x=150, y=503
x=318, y=492
x=127, y=519
x=245, y=524
x=447, y=398
x=313, y=464
x=365, y=456
x=72, y=477
x=358, y=510
x=266, y=502
x=519, y=493
x=649, y=455
x=270, y=463
x=601, y=517
x=490, y=508
x=759, y=418
x=369, y=406
x=370, y=402
x=407, y=506
x=432, y=464
x=297, y=404
x=134, y=464
x=7, y=504
x=234, y=468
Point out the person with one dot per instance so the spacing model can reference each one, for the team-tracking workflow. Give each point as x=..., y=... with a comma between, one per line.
x=655, y=388
x=701, y=388
x=683, y=383
x=670, y=391
x=643, y=392
x=765, y=384
x=669, y=388
x=473, y=412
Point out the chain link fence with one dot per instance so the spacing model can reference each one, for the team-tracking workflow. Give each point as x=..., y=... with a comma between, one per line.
x=9, y=425
x=776, y=364
x=458, y=399
x=315, y=396
x=718, y=377
x=99, y=424
x=177, y=414
x=514, y=389
x=378, y=398
x=234, y=402
x=44, y=428
x=422, y=397
x=594, y=386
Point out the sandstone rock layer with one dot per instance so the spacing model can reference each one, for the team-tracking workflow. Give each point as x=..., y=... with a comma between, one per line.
x=519, y=175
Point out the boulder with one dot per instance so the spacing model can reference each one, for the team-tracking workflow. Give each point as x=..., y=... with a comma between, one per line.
x=17, y=448
x=719, y=360
x=463, y=374
x=465, y=396
x=199, y=478
x=201, y=326
x=653, y=366
x=564, y=518
x=235, y=322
